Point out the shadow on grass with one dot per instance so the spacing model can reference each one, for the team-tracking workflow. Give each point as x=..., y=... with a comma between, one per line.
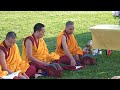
x=19, y=43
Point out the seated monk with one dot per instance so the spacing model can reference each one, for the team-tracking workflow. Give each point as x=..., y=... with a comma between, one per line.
x=67, y=46
x=10, y=60
x=35, y=51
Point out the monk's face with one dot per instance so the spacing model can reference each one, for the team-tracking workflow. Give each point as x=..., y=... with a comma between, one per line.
x=70, y=29
x=10, y=42
x=41, y=32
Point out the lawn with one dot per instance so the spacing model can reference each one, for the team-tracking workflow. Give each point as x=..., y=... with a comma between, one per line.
x=22, y=22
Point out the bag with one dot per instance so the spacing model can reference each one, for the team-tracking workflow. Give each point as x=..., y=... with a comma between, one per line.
x=54, y=70
x=88, y=59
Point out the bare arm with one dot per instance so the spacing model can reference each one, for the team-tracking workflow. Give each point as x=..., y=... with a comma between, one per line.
x=24, y=74
x=65, y=48
x=3, y=62
x=28, y=45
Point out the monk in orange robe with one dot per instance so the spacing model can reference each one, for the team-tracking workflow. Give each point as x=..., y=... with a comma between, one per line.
x=35, y=51
x=10, y=59
x=67, y=46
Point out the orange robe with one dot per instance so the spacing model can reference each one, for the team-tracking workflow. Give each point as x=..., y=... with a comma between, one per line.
x=71, y=43
x=39, y=50
x=2, y=73
x=13, y=60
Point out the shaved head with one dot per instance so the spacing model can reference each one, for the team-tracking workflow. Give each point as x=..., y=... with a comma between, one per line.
x=11, y=35
x=10, y=39
x=69, y=27
x=69, y=23
x=38, y=27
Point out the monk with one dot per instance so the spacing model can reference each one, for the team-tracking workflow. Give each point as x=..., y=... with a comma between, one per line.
x=10, y=60
x=35, y=51
x=67, y=46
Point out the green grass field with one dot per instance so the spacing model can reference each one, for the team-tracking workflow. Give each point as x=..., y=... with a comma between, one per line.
x=22, y=22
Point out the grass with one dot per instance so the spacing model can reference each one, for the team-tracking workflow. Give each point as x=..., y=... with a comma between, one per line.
x=22, y=22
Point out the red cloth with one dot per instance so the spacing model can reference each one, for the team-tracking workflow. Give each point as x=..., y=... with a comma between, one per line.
x=38, y=66
x=49, y=70
x=31, y=71
x=65, y=63
x=65, y=60
x=109, y=52
x=84, y=53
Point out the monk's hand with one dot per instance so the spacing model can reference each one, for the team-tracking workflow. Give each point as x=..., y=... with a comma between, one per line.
x=73, y=62
x=48, y=62
x=76, y=57
x=21, y=77
x=45, y=64
x=24, y=74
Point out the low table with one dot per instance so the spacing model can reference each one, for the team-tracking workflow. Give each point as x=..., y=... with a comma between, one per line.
x=106, y=36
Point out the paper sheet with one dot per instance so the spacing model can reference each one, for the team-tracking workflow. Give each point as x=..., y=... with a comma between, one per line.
x=77, y=67
x=11, y=76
